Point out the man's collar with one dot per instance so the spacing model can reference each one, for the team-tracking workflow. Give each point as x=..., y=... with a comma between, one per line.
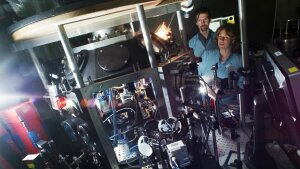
x=203, y=38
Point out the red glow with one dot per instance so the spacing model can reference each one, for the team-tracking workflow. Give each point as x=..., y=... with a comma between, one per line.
x=22, y=120
x=61, y=102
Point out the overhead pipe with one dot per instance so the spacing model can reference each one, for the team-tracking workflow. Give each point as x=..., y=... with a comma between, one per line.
x=146, y=35
x=70, y=56
x=245, y=59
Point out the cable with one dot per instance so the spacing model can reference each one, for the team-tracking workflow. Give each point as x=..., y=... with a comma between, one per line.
x=118, y=112
x=119, y=87
x=155, y=113
x=108, y=118
x=124, y=132
x=128, y=163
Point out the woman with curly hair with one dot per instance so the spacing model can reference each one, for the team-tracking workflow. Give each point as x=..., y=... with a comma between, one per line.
x=226, y=56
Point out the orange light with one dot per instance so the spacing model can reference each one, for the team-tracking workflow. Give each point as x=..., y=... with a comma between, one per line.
x=163, y=31
x=84, y=103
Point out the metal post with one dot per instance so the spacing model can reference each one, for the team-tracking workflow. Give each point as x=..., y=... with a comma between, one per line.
x=244, y=39
x=182, y=30
x=38, y=68
x=245, y=61
x=103, y=143
x=215, y=145
x=259, y=127
x=69, y=53
x=146, y=35
x=242, y=102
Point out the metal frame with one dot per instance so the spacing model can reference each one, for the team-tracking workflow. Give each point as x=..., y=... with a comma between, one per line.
x=146, y=35
x=70, y=55
x=106, y=42
x=81, y=26
x=68, y=30
x=282, y=66
x=145, y=73
x=85, y=93
x=141, y=15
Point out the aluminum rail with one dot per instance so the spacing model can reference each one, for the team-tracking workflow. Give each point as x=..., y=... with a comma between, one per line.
x=245, y=60
x=244, y=39
x=146, y=35
x=81, y=25
x=70, y=56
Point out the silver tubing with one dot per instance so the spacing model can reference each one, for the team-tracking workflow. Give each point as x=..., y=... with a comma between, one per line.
x=182, y=30
x=146, y=35
x=287, y=27
x=245, y=62
x=39, y=69
x=69, y=53
x=244, y=39
x=242, y=108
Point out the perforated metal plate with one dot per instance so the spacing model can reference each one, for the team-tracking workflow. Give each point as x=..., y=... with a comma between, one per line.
x=124, y=153
x=225, y=144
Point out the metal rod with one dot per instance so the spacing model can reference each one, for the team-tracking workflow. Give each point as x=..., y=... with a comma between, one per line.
x=280, y=31
x=238, y=150
x=259, y=126
x=132, y=27
x=287, y=27
x=244, y=39
x=103, y=144
x=245, y=61
x=215, y=145
x=39, y=68
x=182, y=30
x=242, y=108
x=146, y=35
x=70, y=56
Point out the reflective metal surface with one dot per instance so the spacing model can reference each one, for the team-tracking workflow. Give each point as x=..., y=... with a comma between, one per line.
x=70, y=56
x=81, y=25
x=146, y=35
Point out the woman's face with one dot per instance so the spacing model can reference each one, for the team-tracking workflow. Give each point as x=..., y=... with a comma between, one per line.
x=224, y=40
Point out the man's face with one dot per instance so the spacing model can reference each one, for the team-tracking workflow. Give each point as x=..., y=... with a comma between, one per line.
x=203, y=22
